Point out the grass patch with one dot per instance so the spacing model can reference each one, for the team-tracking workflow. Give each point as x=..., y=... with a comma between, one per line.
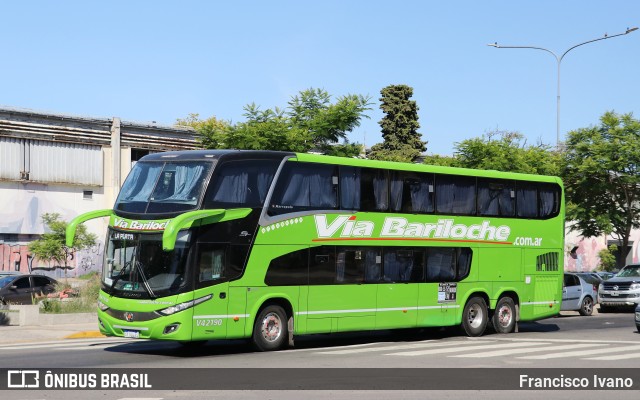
x=86, y=301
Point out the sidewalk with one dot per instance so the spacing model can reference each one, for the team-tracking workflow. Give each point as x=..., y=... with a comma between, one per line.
x=10, y=334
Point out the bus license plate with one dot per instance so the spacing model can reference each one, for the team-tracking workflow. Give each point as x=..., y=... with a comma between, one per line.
x=132, y=334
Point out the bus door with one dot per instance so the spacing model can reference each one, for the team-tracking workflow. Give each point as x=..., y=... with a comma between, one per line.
x=438, y=300
x=342, y=291
x=397, y=297
x=222, y=315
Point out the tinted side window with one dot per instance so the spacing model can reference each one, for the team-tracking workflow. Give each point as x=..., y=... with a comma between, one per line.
x=448, y=264
x=240, y=183
x=548, y=200
x=496, y=198
x=305, y=186
x=39, y=281
x=374, y=189
x=455, y=195
x=22, y=283
x=417, y=192
x=322, y=265
x=289, y=269
x=357, y=265
x=527, y=200
x=219, y=262
x=404, y=264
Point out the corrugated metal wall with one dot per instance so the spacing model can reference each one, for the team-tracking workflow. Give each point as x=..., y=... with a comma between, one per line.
x=65, y=163
x=10, y=158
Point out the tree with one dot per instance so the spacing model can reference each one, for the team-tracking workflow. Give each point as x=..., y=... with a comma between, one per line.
x=608, y=258
x=206, y=128
x=401, y=140
x=502, y=151
x=602, y=178
x=51, y=246
x=309, y=122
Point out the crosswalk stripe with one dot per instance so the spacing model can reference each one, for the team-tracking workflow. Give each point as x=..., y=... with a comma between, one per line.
x=499, y=353
x=396, y=347
x=582, y=353
x=466, y=348
x=614, y=358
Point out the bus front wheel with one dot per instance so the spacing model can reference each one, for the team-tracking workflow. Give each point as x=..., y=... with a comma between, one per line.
x=504, y=318
x=270, y=330
x=475, y=317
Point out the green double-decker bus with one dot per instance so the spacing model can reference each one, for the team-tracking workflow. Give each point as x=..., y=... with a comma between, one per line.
x=206, y=245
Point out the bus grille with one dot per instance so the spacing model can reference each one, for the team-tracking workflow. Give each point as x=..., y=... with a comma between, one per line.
x=547, y=262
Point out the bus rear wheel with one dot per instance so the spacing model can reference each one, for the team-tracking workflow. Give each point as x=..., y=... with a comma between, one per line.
x=270, y=331
x=504, y=318
x=475, y=317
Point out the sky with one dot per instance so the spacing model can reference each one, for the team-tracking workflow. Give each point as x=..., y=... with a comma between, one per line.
x=161, y=60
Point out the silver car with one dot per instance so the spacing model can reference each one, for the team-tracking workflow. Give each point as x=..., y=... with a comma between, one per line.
x=623, y=290
x=578, y=294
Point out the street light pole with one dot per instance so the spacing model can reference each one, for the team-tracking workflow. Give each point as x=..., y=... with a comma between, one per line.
x=559, y=61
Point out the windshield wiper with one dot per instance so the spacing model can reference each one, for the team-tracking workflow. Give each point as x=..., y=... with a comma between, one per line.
x=145, y=282
x=117, y=278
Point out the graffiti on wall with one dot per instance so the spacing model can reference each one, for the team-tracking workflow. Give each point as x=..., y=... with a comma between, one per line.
x=17, y=258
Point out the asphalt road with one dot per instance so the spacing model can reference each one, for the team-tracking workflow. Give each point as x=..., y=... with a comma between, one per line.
x=602, y=341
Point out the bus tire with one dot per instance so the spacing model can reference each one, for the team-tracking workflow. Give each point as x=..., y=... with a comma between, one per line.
x=270, y=330
x=504, y=317
x=475, y=316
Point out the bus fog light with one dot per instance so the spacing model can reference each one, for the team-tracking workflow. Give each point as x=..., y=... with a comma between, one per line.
x=170, y=329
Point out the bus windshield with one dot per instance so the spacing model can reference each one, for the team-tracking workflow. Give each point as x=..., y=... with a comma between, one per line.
x=154, y=187
x=137, y=266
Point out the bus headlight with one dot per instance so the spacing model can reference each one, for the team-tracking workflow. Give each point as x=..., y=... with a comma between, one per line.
x=102, y=306
x=183, y=306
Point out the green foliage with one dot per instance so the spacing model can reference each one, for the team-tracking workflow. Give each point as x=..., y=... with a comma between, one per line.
x=601, y=172
x=86, y=301
x=401, y=140
x=608, y=258
x=51, y=246
x=309, y=122
x=502, y=151
x=206, y=128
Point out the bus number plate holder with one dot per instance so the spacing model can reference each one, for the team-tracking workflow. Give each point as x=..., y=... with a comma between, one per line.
x=131, y=334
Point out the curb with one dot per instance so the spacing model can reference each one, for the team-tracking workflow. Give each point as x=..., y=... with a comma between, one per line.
x=85, y=335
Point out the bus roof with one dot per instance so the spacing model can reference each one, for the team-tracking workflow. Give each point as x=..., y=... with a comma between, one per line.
x=356, y=162
x=195, y=155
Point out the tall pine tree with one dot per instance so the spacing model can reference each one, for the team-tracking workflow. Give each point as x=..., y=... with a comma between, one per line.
x=401, y=140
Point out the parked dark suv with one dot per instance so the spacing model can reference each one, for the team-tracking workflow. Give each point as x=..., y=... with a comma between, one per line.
x=20, y=289
x=623, y=290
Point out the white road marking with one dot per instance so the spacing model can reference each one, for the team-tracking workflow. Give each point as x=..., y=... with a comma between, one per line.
x=580, y=353
x=396, y=347
x=465, y=348
x=614, y=358
x=508, y=352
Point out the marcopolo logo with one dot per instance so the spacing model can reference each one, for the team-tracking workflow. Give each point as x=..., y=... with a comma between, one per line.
x=139, y=225
x=347, y=226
